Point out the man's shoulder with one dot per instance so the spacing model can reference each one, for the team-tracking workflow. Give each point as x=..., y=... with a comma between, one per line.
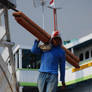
x=62, y=50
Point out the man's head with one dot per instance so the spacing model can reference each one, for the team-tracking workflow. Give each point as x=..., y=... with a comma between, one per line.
x=56, y=39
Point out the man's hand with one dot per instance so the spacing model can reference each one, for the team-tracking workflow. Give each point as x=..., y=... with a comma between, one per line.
x=38, y=40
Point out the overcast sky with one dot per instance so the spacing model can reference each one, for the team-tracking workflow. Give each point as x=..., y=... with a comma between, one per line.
x=74, y=20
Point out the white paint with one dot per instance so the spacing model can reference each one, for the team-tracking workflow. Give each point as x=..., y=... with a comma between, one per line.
x=5, y=54
x=2, y=32
x=27, y=76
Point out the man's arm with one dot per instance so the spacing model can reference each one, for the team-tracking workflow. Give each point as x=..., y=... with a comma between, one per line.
x=35, y=49
x=62, y=70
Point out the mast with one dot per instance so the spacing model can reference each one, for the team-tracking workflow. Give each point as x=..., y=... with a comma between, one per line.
x=55, y=19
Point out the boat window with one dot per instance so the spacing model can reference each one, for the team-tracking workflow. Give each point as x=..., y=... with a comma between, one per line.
x=30, y=60
x=87, y=55
x=81, y=57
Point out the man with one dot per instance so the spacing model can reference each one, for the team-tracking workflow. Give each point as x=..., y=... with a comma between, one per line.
x=50, y=60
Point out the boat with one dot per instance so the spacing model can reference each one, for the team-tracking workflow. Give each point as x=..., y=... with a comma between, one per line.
x=27, y=65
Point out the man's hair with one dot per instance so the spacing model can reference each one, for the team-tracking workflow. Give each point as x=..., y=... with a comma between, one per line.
x=58, y=39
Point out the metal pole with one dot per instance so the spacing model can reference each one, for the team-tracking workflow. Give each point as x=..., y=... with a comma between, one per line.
x=43, y=16
x=43, y=2
x=1, y=12
x=0, y=21
x=20, y=58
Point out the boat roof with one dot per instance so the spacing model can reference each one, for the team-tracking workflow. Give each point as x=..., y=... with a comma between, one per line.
x=79, y=42
x=73, y=43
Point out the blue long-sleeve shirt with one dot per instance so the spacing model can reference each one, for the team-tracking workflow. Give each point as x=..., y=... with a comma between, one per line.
x=51, y=59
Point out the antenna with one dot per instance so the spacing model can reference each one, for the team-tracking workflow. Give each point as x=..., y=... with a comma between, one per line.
x=42, y=3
